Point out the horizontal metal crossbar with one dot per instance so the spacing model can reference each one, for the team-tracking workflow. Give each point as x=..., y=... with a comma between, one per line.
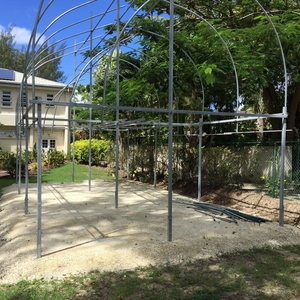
x=160, y=110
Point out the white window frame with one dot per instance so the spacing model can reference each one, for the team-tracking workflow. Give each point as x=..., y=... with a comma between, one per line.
x=48, y=144
x=6, y=99
x=24, y=100
x=49, y=97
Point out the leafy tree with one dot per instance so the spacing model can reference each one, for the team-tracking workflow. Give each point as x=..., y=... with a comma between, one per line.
x=10, y=57
x=254, y=47
x=203, y=70
x=48, y=62
x=49, y=59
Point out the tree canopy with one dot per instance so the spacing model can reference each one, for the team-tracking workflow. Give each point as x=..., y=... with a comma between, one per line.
x=10, y=56
x=205, y=33
x=49, y=57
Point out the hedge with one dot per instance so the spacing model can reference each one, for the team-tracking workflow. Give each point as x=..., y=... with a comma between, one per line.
x=99, y=151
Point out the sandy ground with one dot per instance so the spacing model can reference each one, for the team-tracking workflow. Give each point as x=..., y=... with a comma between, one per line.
x=83, y=231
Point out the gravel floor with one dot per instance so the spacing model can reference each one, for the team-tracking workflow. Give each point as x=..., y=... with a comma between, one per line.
x=82, y=231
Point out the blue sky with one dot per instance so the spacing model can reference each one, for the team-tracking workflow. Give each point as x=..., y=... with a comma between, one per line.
x=22, y=14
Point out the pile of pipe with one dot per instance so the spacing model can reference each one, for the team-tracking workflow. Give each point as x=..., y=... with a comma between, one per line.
x=219, y=212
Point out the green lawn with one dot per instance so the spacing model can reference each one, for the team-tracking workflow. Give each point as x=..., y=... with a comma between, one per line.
x=4, y=182
x=64, y=174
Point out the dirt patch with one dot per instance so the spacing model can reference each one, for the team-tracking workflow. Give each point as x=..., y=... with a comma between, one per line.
x=251, y=202
x=83, y=230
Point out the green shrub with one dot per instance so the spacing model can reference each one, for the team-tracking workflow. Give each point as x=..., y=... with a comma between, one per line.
x=4, y=155
x=273, y=186
x=221, y=166
x=32, y=156
x=10, y=165
x=185, y=161
x=54, y=158
x=99, y=151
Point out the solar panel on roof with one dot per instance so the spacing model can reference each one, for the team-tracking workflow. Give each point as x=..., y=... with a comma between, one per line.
x=7, y=74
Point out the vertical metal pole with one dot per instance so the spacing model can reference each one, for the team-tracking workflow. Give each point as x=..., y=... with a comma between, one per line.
x=282, y=158
x=19, y=147
x=19, y=143
x=27, y=135
x=33, y=58
x=39, y=141
x=74, y=117
x=39, y=182
x=237, y=117
x=155, y=159
x=17, y=130
x=18, y=165
x=91, y=100
x=117, y=104
x=128, y=153
x=73, y=148
x=200, y=157
x=39, y=158
x=170, y=114
x=274, y=169
x=284, y=110
x=33, y=63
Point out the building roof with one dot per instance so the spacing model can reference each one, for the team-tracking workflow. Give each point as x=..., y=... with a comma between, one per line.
x=14, y=77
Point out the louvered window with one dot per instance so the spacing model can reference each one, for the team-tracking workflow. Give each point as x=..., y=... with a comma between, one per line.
x=24, y=99
x=6, y=98
x=50, y=99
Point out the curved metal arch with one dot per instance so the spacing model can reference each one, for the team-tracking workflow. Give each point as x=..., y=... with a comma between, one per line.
x=284, y=111
x=281, y=51
x=33, y=43
x=50, y=25
x=69, y=26
x=62, y=15
x=187, y=55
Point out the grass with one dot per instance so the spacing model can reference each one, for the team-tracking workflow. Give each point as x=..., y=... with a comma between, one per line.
x=64, y=174
x=4, y=183
x=255, y=274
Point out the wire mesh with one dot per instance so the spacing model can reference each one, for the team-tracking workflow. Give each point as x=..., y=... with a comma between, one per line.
x=250, y=166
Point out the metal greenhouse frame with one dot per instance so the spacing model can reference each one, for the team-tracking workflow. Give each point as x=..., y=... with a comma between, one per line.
x=31, y=116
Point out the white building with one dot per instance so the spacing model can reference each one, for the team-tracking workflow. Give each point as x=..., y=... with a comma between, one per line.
x=55, y=128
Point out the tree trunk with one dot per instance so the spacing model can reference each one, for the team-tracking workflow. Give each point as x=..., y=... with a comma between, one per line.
x=292, y=111
x=271, y=101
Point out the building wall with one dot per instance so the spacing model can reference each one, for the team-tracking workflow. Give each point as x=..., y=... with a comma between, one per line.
x=8, y=140
x=57, y=135
x=53, y=129
x=10, y=144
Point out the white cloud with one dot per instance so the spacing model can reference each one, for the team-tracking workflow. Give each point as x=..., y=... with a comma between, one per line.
x=22, y=35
